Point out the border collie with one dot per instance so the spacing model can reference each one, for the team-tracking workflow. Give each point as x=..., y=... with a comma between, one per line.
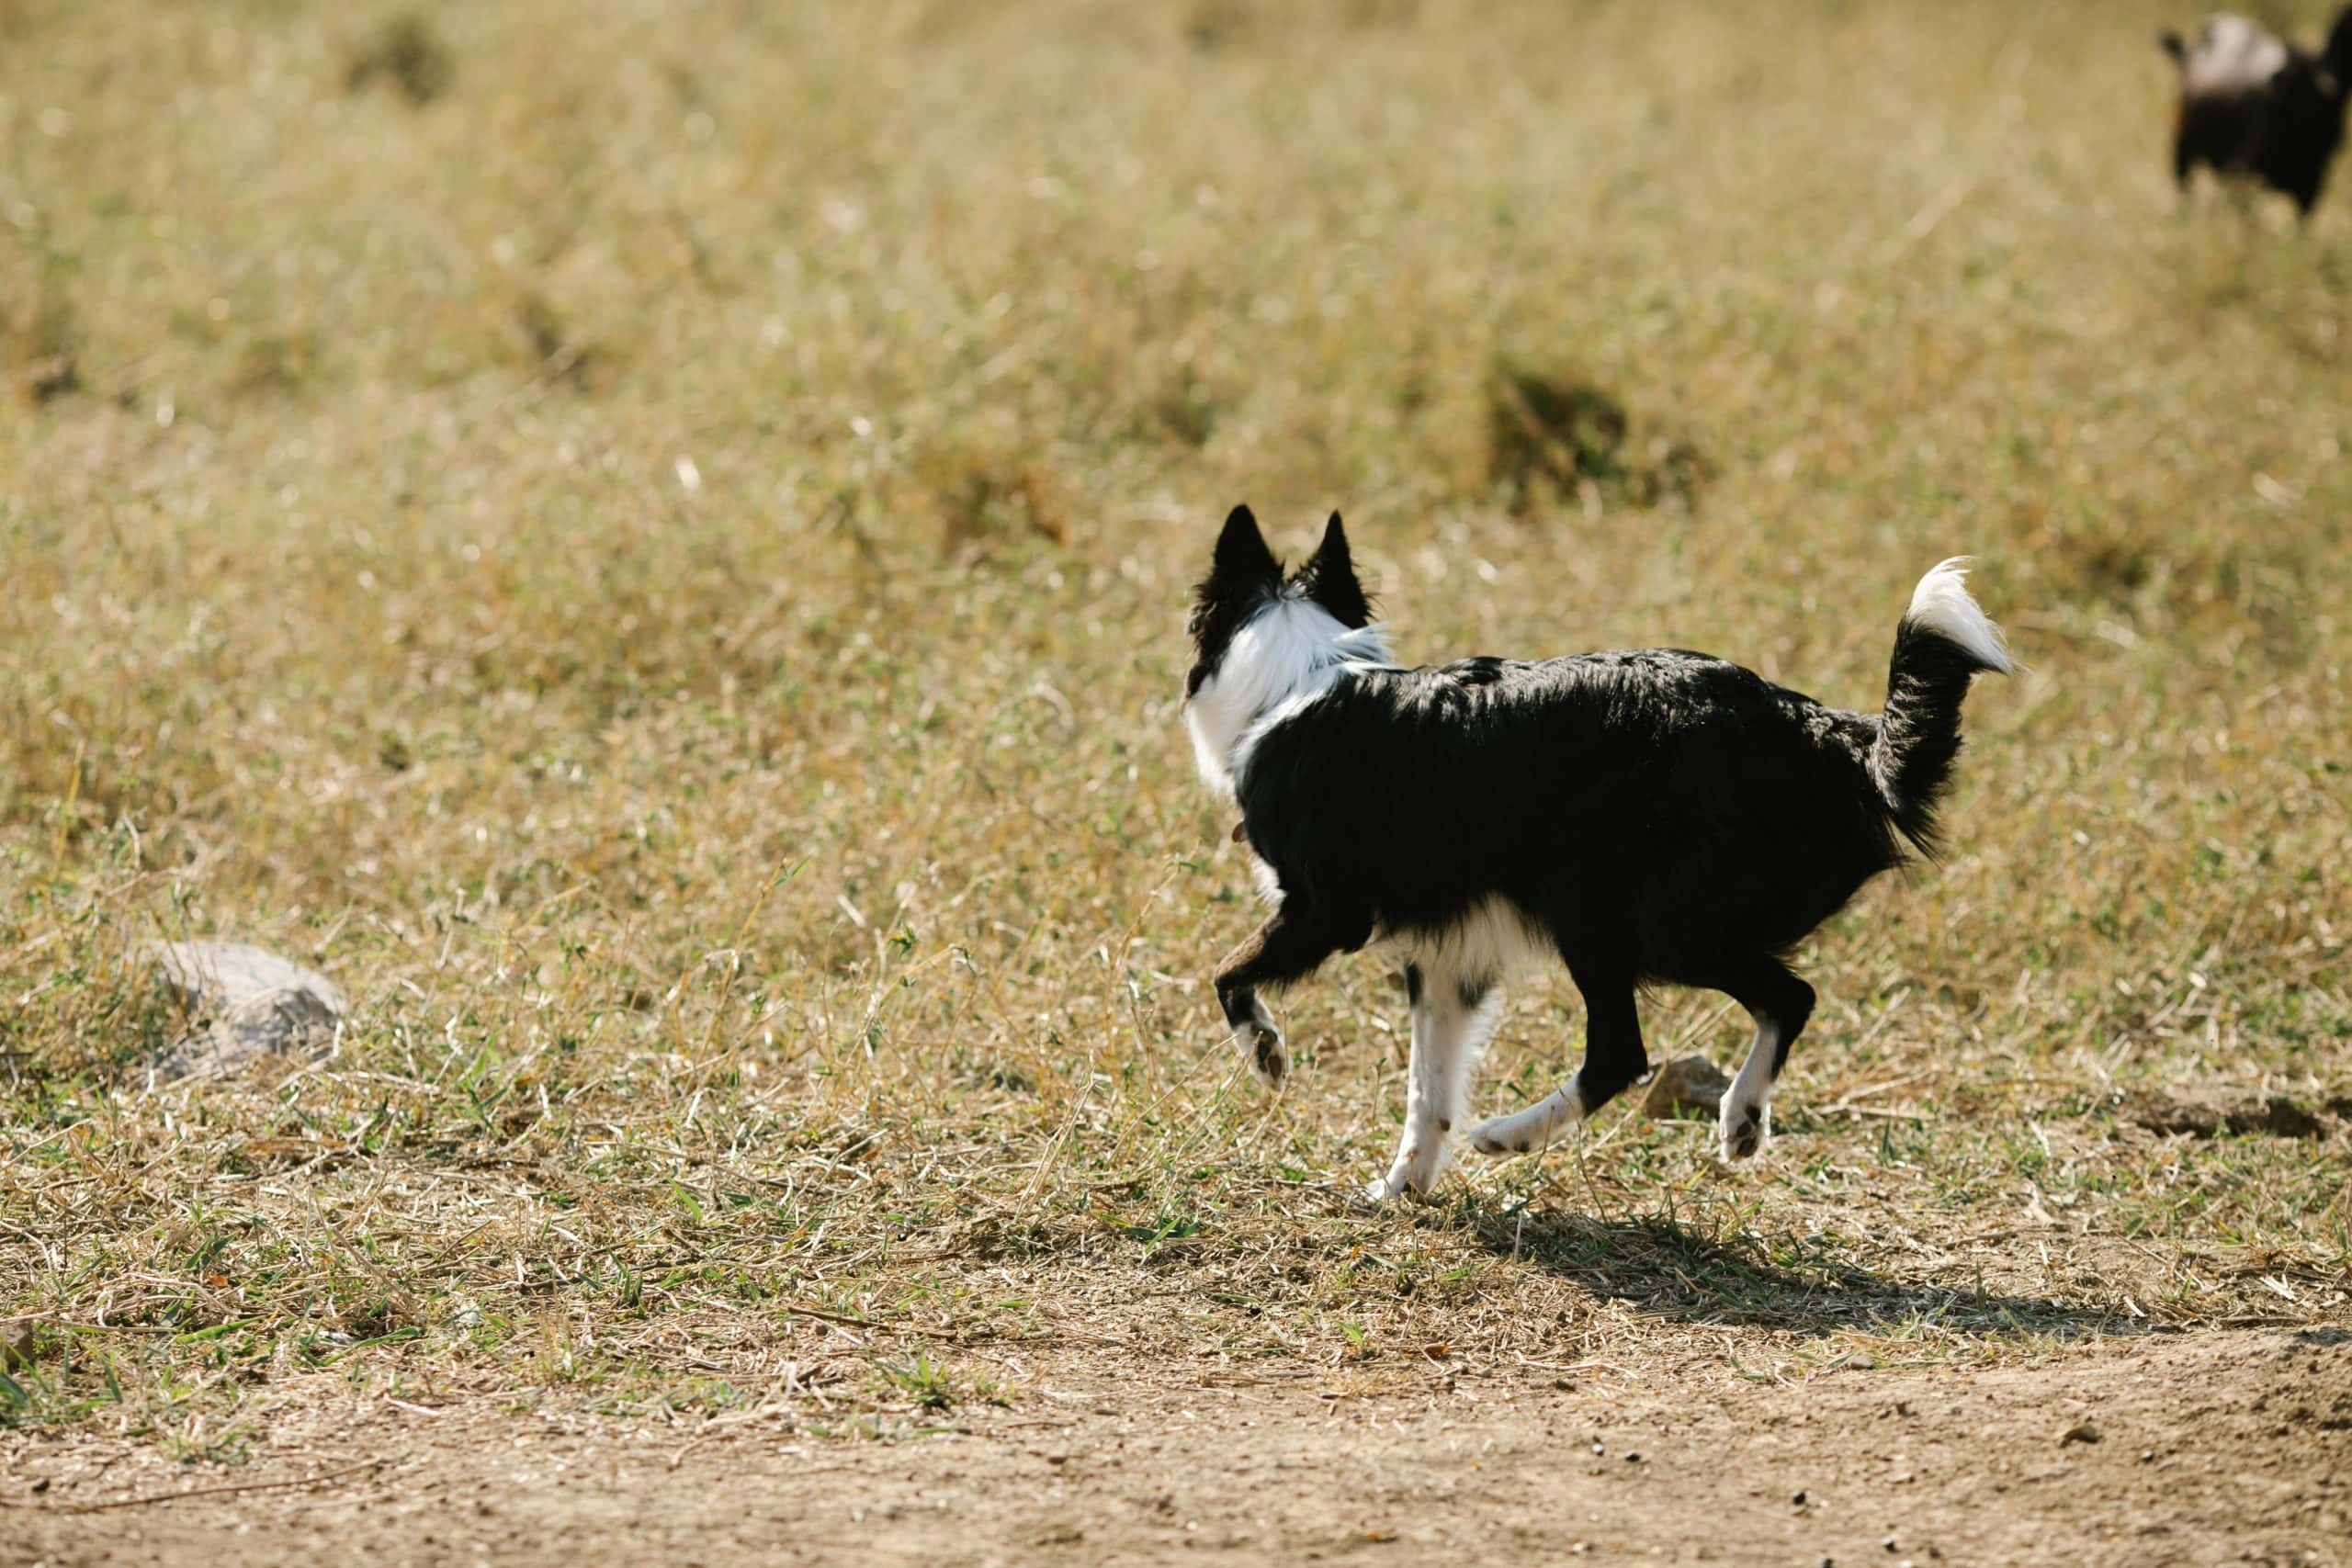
x=1655, y=817
x=2252, y=103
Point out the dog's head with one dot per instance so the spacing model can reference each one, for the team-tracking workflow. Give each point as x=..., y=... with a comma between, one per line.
x=1245, y=580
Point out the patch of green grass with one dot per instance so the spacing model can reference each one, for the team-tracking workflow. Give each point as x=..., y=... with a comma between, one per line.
x=934, y=1386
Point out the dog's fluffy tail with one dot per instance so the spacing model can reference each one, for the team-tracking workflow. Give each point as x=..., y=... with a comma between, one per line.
x=1944, y=641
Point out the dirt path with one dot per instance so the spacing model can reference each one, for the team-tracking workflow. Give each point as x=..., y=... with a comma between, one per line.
x=2217, y=1447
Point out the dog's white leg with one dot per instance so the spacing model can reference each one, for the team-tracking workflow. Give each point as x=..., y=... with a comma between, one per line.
x=1612, y=1058
x=1447, y=1032
x=1744, y=1120
x=1524, y=1132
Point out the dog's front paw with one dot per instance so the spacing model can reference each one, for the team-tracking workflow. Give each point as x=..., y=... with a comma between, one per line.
x=1261, y=1045
x=1390, y=1188
x=1744, y=1128
x=1414, y=1175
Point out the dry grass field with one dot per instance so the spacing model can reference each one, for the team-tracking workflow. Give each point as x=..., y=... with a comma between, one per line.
x=649, y=542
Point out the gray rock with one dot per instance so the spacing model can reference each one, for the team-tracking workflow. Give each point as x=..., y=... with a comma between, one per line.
x=1687, y=1087
x=241, y=1005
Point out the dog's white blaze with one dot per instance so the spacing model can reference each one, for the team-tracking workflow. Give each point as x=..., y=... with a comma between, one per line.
x=1287, y=655
x=2230, y=55
x=1943, y=604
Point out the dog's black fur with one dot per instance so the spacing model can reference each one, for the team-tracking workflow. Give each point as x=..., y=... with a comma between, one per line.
x=1657, y=816
x=2283, y=131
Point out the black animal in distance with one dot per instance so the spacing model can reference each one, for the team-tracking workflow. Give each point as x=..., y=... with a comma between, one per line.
x=2254, y=104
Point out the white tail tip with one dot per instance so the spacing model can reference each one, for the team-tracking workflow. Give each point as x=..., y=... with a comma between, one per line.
x=1942, y=603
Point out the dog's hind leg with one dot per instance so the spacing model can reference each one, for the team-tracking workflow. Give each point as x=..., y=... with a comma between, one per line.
x=1289, y=946
x=1780, y=1003
x=1614, y=1057
x=1450, y=1017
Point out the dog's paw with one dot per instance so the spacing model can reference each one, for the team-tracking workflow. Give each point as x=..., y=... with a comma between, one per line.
x=1390, y=1188
x=1414, y=1175
x=1524, y=1131
x=1502, y=1135
x=1262, y=1046
x=1744, y=1128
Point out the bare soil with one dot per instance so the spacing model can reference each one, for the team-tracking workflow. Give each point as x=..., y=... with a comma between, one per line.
x=2217, y=1446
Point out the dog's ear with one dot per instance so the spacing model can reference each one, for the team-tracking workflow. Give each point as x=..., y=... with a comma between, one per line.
x=1242, y=559
x=1329, y=579
x=1243, y=575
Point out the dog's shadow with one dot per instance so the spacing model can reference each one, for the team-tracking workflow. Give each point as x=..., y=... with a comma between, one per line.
x=1807, y=1287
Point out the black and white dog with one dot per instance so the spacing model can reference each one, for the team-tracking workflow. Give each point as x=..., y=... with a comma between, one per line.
x=2253, y=103
x=1652, y=817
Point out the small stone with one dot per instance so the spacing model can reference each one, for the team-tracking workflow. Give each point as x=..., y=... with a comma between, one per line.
x=2080, y=1432
x=1798, y=1499
x=16, y=1348
x=243, y=1005
x=1633, y=1457
x=1689, y=1088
